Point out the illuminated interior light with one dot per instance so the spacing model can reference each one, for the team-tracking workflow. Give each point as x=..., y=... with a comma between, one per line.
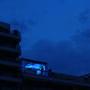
x=38, y=72
x=28, y=66
x=35, y=66
x=31, y=68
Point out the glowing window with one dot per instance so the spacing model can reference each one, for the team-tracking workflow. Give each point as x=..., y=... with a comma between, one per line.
x=34, y=68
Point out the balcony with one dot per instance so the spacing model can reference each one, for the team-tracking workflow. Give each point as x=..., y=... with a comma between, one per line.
x=10, y=79
x=9, y=37
x=9, y=53
x=9, y=70
x=4, y=27
x=9, y=63
x=33, y=67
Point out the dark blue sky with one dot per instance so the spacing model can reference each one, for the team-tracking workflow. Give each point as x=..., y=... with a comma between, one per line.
x=55, y=31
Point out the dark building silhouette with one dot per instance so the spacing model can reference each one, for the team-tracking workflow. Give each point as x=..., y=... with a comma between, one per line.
x=9, y=58
x=18, y=73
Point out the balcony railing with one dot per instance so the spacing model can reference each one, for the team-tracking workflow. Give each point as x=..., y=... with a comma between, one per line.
x=10, y=79
x=8, y=49
x=9, y=36
x=9, y=63
x=4, y=27
x=7, y=53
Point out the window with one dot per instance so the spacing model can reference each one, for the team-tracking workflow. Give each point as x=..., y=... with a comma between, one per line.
x=34, y=68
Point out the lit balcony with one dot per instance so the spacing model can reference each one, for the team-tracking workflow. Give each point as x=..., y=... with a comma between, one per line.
x=34, y=68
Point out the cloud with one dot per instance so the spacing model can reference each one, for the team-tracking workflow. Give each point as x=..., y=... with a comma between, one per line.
x=84, y=16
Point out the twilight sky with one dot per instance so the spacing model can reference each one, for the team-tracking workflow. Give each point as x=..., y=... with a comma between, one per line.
x=55, y=31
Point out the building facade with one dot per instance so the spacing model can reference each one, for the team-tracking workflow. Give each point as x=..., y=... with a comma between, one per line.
x=9, y=58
